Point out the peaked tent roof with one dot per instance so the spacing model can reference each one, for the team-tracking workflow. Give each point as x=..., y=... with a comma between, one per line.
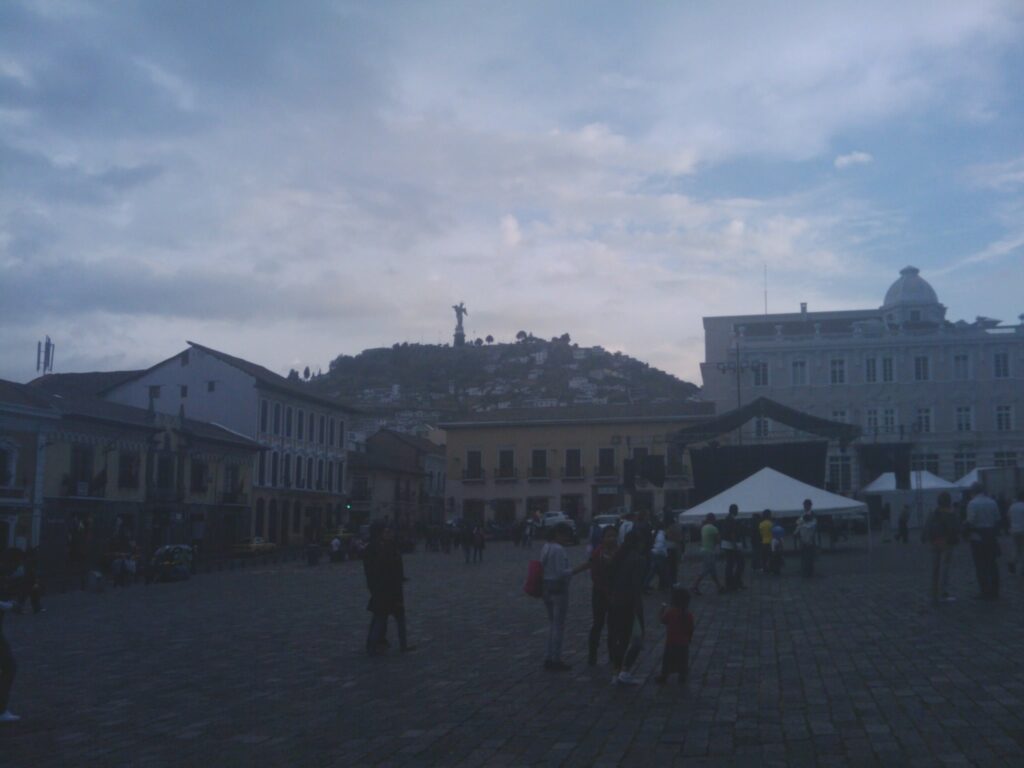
x=770, y=489
x=763, y=407
x=971, y=478
x=922, y=480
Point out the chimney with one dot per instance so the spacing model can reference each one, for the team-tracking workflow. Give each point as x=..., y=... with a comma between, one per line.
x=803, y=308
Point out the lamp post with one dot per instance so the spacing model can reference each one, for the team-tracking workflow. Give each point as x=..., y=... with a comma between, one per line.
x=737, y=366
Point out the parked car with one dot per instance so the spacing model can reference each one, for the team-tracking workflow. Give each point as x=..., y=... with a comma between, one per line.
x=557, y=517
x=254, y=546
x=605, y=521
x=172, y=562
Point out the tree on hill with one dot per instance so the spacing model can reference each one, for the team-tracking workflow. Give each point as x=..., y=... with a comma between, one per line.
x=293, y=375
x=521, y=336
x=305, y=373
x=489, y=339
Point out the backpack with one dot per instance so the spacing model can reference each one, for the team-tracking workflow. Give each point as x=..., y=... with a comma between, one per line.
x=534, y=586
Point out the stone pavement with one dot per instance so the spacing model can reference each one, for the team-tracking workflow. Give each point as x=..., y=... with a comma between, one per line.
x=264, y=667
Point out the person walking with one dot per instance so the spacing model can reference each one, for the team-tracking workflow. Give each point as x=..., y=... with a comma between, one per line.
x=599, y=565
x=942, y=531
x=386, y=576
x=659, y=561
x=982, y=525
x=557, y=575
x=625, y=601
x=807, y=529
x=479, y=542
x=1016, y=514
x=678, y=621
x=764, y=529
x=709, y=538
x=732, y=543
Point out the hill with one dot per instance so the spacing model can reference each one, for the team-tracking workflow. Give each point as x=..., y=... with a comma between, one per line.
x=529, y=373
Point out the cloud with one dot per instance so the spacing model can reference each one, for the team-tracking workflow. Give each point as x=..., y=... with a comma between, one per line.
x=1002, y=176
x=853, y=158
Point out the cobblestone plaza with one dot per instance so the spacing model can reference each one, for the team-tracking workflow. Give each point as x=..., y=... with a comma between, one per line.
x=264, y=666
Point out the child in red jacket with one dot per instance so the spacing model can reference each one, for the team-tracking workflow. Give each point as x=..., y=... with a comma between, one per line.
x=678, y=623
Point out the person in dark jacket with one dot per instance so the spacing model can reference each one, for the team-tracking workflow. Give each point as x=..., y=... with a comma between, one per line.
x=625, y=603
x=942, y=532
x=385, y=578
x=8, y=667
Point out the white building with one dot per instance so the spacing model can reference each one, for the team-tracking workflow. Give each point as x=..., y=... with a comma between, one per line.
x=952, y=391
x=299, y=476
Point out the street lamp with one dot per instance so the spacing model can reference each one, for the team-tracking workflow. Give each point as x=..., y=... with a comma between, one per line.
x=737, y=366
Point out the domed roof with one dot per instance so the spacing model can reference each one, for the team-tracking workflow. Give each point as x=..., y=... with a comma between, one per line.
x=910, y=288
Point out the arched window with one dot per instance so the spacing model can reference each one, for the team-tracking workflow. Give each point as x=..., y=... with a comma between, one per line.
x=258, y=527
x=312, y=426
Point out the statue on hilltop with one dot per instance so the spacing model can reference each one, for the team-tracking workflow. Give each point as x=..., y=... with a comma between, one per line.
x=460, y=312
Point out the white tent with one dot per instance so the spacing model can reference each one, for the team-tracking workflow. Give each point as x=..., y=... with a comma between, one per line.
x=783, y=495
x=920, y=480
x=970, y=478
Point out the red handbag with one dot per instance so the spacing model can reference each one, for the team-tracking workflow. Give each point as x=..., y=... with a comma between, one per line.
x=534, y=585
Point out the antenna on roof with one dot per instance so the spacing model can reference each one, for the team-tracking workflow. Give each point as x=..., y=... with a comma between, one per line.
x=44, y=356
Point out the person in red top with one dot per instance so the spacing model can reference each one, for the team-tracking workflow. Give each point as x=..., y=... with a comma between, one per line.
x=598, y=564
x=678, y=623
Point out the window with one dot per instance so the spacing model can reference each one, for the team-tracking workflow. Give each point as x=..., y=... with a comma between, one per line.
x=341, y=433
x=573, y=462
x=506, y=463
x=261, y=472
x=837, y=371
x=1001, y=365
x=871, y=420
x=840, y=474
x=922, y=368
x=288, y=421
x=211, y=386
x=286, y=470
x=963, y=462
x=264, y=412
x=888, y=370
x=275, y=467
x=923, y=420
x=197, y=476
x=309, y=472
x=81, y=464
x=300, y=423
x=964, y=418
x=871, y=370
x=322, y=434
x=330, y=476
x=760, y=374
x=539, y=462
x=299, y=480
x=128, y=469
x=164, y=471
x=961, y=367
x=798, y=371
x=154, y=392
x=762, y=427
x=1005, y=459
x=924, y=462
x=889, y=420
x=277, y=418
x=474, y=465
x=330, y=431
x=320, y=475
x=1004, y=418
x=184, y=390
x=606, y=462
x=839, y=415
x=341, y=476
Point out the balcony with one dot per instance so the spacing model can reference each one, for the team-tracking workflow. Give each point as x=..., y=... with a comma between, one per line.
x=506, y=475
x=474, y=475
x=538, y=475
x=606, y=474
x=573, y=474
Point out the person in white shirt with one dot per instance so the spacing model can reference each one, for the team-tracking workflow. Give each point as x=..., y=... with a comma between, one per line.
x=983, y=525
x=1017, y=532
x=557, y=574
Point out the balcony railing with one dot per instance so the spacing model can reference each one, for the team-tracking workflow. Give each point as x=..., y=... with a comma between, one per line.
x=506, y=475
x=476, y=475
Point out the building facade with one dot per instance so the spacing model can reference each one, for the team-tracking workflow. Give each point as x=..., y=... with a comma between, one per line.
x=299, y=475
x=952, y=392
x=504, y=465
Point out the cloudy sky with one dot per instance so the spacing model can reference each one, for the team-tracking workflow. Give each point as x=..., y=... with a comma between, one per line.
x=290, y=181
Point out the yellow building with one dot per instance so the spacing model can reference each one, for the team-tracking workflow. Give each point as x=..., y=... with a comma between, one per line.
x=583, y=460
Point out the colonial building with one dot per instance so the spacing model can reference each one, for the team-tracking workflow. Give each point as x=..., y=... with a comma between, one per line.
x=299, y=476
x=426, y=457
x=950, y=393
x=87, y=468
x=505, y=464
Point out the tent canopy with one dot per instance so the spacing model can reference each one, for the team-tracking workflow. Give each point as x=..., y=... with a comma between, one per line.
x=770, y=489
x=970, y=478
x=922, y=480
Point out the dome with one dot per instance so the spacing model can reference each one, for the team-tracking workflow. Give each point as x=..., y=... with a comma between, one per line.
x=910, y=289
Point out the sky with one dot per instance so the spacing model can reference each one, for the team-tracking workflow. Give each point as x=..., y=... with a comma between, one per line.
x=288, y=182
